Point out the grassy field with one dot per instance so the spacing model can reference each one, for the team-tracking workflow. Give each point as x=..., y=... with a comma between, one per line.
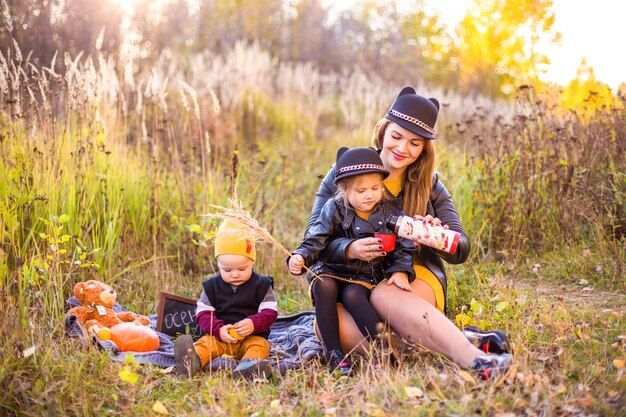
x=105, y=173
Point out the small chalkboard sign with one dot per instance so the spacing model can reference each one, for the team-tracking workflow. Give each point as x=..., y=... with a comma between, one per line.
x=177, y=315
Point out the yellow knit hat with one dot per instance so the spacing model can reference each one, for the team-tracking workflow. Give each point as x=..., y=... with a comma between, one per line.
x=234, y=239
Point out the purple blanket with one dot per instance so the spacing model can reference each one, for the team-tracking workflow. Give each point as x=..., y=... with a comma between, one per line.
x=292, y=339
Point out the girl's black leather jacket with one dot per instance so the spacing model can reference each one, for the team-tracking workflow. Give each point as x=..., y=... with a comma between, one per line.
x=335, y=220
x=439, y=205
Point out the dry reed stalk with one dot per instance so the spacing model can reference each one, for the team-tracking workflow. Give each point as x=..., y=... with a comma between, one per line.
x=233, y=174
x=238, y=215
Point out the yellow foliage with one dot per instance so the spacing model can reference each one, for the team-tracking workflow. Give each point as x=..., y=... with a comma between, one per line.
x=496, y=44
x=586, y=95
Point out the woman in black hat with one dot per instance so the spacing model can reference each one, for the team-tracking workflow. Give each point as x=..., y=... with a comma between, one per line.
x=357, y=211
x=404, y=139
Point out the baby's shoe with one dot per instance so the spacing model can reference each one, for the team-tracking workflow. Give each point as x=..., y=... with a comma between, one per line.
x=253, y=369
x=187, y=360
x=494, y=341
x=490, y=365
x=339, y=363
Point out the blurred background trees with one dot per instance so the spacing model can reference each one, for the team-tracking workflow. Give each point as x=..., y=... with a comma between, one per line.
x=490, y=52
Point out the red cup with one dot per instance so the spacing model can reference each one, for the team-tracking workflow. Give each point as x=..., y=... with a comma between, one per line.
x=389, y=240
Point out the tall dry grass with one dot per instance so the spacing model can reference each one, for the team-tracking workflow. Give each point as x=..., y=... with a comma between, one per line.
x=547, y=181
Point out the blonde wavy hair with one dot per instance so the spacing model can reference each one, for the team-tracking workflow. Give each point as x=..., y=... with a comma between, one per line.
x=417, y=181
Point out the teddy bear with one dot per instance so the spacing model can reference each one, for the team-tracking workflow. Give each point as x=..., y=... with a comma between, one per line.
x=96, y=311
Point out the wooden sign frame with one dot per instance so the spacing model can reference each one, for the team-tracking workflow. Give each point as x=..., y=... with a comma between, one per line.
x=187, y=321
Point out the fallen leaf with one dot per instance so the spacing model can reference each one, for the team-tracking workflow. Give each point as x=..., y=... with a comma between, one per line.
x=127, y=375
x=476, y=307
x=619, y=363
x=414, y=392
x=274, y=404
x=28, y=352
x=501, y=306
x=462, y=320
x=373, y=410
x=325, y=398
x=159, y=408
x=330, y=411
x=167, y=370
x=586, y=401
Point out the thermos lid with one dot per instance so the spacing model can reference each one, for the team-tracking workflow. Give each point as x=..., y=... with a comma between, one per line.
x=392, y=222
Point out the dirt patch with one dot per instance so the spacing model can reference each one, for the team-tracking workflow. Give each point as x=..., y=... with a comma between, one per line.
x=575, y=296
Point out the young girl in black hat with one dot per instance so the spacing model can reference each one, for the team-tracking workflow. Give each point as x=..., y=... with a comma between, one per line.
x=356, y=211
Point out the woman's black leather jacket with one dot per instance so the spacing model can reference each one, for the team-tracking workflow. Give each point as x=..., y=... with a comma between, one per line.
x=335, y=220
x=439, y=205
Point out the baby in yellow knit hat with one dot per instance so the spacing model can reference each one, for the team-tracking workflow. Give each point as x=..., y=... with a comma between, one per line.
x=236, y=309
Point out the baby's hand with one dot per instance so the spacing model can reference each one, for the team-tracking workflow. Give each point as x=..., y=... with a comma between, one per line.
x=244, y=327
x=401, y=280
x=296, y=262
x=225, y=336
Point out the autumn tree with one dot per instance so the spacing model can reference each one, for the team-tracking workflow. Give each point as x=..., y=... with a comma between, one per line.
x=309, y=37
x=397, y=44
x=42, y=27
x=586, y=94
x=496, y=44
x=426, y=47
x=223, y=22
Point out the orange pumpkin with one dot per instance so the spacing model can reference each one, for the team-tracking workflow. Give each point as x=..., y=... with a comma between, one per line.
x=134, y=337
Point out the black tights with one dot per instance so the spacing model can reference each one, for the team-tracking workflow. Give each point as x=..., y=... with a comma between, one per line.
x=355, y=299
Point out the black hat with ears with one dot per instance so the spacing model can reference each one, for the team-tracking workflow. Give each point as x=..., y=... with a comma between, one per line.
x=357, y=161
x=415, y=113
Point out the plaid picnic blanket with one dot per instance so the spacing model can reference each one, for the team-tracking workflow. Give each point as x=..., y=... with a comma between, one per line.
x=292, y=339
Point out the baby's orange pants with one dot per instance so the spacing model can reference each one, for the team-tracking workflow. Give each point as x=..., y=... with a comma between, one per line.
x=209, y=347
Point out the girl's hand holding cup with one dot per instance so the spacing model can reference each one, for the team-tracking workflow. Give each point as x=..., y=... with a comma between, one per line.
x=388, y=241
x=365, y=249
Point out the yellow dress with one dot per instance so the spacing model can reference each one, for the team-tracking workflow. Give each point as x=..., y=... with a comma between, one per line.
x=421, y=271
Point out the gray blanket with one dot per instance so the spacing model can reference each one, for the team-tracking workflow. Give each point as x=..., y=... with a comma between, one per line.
x=292, y=339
